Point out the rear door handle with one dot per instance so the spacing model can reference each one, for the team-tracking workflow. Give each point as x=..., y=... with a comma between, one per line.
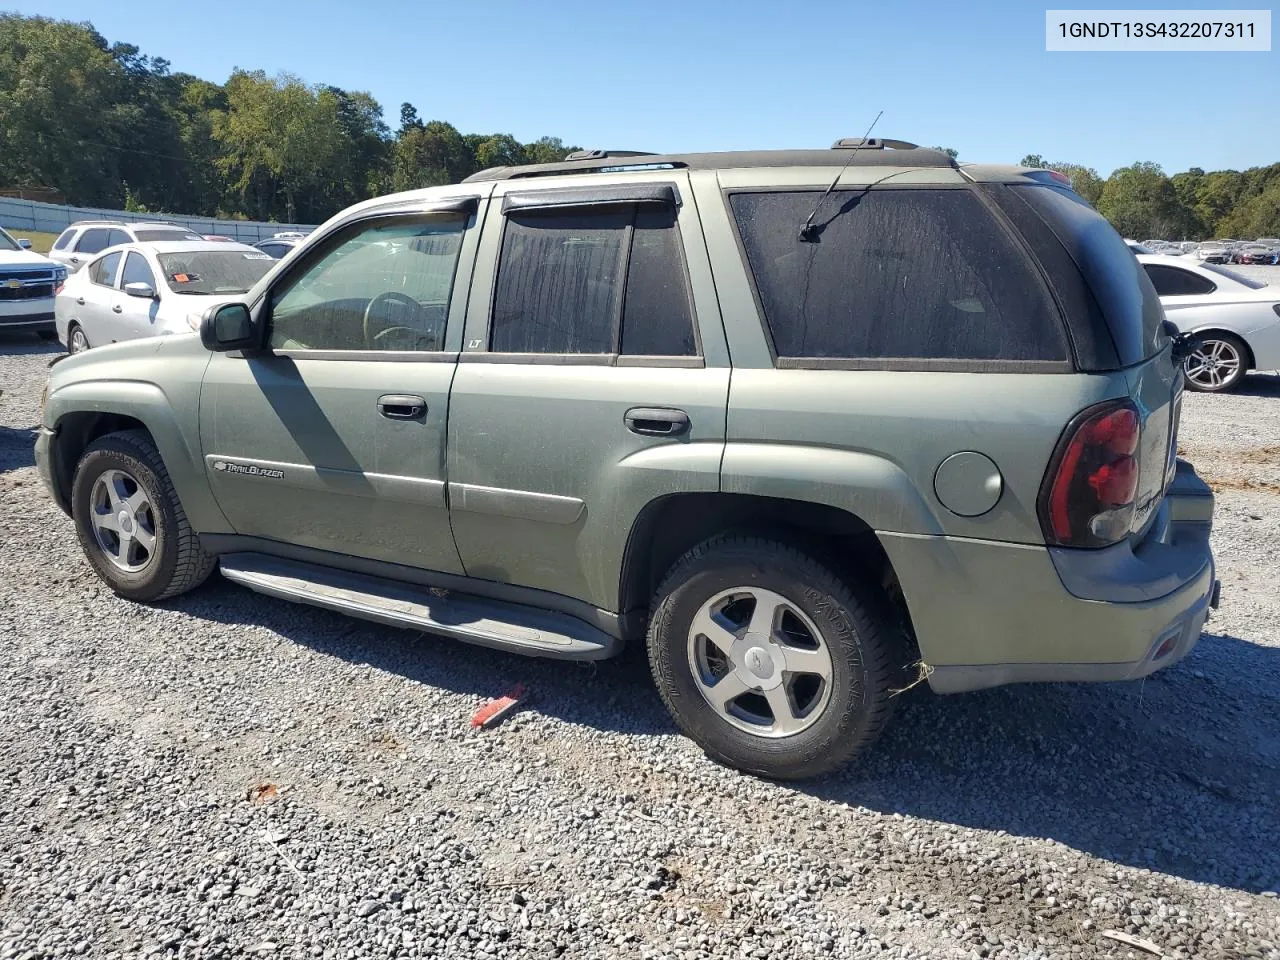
x=656, y=421
x=116, y=308
x=396, y=406
x=80, y=300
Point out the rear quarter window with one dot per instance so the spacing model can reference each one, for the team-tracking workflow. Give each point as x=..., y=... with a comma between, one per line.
x=895, y=275
x=64, y=238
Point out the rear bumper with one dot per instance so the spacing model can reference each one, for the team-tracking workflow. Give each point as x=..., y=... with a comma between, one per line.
x=987, y=613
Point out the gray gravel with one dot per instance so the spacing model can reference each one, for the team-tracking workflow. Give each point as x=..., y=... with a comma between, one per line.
x=229, y=775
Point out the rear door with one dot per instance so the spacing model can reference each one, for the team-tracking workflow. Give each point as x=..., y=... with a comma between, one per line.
x=93, y=306
x=334, y=438
x=594, y=380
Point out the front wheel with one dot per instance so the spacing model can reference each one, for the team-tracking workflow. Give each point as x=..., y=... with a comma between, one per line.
x=131, y=525
x=768, y=660
x=1217, y=364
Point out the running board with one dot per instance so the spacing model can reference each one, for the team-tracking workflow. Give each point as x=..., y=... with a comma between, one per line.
x=491, y=623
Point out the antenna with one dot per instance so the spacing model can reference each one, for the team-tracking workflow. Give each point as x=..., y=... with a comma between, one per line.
x=807, y=232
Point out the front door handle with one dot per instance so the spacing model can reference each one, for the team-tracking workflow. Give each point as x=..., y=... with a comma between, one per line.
x=80, y=300
x=656, y=421
x=116, y=308
x=396, y=406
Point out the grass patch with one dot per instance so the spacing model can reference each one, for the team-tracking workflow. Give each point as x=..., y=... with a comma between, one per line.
x=40, y=242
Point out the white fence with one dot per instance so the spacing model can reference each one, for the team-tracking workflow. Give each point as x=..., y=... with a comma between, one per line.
x=19, y=215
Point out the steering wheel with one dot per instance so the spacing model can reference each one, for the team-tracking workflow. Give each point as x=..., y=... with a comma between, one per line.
x=391, y=296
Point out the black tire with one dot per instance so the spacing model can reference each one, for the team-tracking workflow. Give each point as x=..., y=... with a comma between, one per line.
x=1230, y=349
x=177, y=563
x=862, y=634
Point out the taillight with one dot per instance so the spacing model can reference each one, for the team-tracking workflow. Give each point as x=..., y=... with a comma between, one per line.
x=1088, y=495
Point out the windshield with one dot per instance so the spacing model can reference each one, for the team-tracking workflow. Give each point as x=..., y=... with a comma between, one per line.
x=209, y=272
x=162, y=234
x=7, y=242
x=1249, y=282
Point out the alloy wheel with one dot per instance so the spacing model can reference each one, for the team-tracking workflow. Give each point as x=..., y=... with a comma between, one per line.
x=79, y=342
x=123, y=521
x=1214, y=364
x=759, y=662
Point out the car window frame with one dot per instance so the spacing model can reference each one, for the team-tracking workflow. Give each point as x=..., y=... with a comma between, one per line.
x=469, y=206
x=905, y=364
x=1213, y=287
x=115, y=276
x=603, y=197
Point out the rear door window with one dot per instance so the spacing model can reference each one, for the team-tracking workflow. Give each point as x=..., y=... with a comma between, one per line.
x=895, y=275
x=117, y=237
x=1175, y=282
x=103, y=271
x=94, y=240
x=609, y=280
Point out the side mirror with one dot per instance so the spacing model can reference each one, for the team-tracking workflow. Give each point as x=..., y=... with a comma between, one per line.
x=228, y=326
x=143, y=291
x=24, y=243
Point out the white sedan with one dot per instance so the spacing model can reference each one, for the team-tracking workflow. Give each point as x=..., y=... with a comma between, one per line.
x=152, y=289
x=1236, y=318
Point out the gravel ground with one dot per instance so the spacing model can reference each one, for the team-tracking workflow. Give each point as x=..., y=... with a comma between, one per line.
x=229, y=775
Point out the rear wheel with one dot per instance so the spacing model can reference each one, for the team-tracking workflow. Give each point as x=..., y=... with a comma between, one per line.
x=768, y=660
x=131, y=526
x=1217, y=364
x=77, y=342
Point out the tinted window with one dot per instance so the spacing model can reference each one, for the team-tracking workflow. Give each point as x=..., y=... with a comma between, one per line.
x=656, y=316
x=1173, y=282
x=104, y=271
x=1127, y=299
x=64, y=238
x=93, y=240
x=274, y=250
x=559, y=282
x=894, y=274
x=588, y=281
x=382, y=286
x=136, y=270
x=117, y=237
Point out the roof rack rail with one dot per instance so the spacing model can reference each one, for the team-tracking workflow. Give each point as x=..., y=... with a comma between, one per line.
x=605, y=154
x=872, y=143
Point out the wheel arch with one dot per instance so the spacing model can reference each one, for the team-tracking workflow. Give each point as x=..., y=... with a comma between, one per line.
x=1210, y=331
x=669, y=526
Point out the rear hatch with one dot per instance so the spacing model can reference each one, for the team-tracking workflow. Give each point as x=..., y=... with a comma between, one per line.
x=1114, y=320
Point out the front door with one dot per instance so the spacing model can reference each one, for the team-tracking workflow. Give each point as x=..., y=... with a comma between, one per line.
x=589, y=386
x=135, y=316
x=334, y=438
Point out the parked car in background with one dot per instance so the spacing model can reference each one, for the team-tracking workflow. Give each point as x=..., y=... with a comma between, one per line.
x=1253, y=253
x=1236, y=317
x=83, y=240
x=152, y=289
x=220, y=238
x=1213, y=251
x=1136, y=247
x=279, y=246
x=702, y=403
x=28, y=282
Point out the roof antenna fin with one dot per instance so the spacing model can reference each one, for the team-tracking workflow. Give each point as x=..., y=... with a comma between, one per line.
x=808, y=232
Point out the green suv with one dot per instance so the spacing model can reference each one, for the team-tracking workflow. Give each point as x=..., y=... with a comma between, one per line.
x=811, y=425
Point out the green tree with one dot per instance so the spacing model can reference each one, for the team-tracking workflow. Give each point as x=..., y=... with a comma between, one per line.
x=1032, y=160
x=429, y=155
x=949, y=151
x=1140, y=201
x=1084, y=180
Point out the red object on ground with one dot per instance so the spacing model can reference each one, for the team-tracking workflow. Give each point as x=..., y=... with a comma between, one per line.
x=495, y=710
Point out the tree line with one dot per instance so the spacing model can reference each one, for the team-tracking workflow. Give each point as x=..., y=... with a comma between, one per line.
x=102, y=124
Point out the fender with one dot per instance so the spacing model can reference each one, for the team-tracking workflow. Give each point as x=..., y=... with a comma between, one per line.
x=170, y=414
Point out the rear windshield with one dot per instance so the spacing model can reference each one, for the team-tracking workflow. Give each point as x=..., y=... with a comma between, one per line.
x=1120, y=285
x=1249, y=282
x=161, y=234
x=209, y=272
x=918, y=274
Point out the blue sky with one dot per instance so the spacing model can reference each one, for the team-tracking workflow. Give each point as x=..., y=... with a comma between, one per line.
x=696, y=75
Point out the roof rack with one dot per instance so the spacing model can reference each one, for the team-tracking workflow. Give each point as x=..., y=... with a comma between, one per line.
x=872, y=143
x=604, y=154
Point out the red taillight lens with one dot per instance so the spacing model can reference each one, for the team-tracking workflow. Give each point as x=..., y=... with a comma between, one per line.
x=1088, y=494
